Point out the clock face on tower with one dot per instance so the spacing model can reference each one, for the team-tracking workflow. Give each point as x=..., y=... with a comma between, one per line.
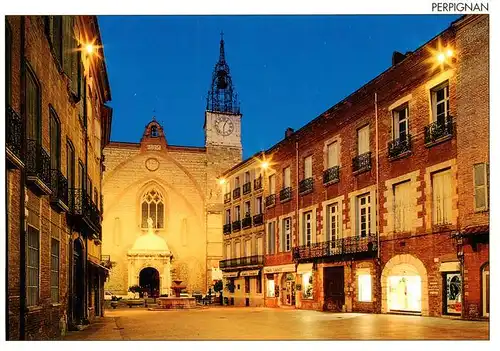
x=224, y=125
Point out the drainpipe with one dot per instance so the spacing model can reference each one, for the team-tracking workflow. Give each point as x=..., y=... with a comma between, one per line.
x=297, y=190
x=22, y=202
x=377, y=231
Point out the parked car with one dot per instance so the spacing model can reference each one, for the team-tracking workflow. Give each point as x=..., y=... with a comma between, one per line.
x=107, y=296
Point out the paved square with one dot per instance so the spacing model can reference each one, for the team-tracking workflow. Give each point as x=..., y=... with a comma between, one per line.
x=233, y=323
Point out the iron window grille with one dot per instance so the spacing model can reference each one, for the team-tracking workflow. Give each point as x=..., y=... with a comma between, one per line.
x=362, y=163
x=331, y=175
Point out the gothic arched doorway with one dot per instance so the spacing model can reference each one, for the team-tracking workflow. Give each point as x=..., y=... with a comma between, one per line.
x=78, y=282
x=149, y=280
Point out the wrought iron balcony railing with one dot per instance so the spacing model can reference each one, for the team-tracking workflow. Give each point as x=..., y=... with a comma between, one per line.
x=271, y=200
x=331, y=175
x=438, y=131
x=257, y=183
x=286, y=194
x=246, y=222
x=38, y=165
x=236, y=193
x=362, y=163
x=400, y=146
x=257, y=260
x=14, y=137
x=84, y=211
x=247, y=188
x=102, y=205
x=258, y=219
x=106, y=261
x=227, y=198
x=306, y=186
x=59, y=188
x=236, y=225
x=226, y=228
x=347, y=248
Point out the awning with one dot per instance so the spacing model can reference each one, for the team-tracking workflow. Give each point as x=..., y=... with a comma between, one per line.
x=99, y=266
x=230, y=274
x=250, y=273
x=450, y=266
x=280, y=269
x=304, y=268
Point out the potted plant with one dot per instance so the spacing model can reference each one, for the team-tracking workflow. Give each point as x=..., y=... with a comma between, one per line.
x=114, y=301
x=135, y=289
x=230, y=286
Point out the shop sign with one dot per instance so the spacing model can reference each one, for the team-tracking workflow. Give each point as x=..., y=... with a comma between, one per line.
x=230, y=274
x=250, y=273
x=280, y=269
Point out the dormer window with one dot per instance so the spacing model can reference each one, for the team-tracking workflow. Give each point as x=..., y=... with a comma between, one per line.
x=154, y=132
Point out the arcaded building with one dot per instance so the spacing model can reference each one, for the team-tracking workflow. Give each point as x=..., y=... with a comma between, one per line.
x=175, y=191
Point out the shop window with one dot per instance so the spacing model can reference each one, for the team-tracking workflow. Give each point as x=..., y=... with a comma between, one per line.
x=270, y=286
x=307, y=285
x=453, y=286
x=364, y=288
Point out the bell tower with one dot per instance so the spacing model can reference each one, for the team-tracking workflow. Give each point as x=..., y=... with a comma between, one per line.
x=222, y=115
x=223, y=145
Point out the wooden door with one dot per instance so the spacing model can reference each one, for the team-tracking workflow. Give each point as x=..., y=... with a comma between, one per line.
x=333, y=287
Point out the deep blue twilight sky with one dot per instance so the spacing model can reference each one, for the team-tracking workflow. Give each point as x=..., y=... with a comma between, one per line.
x=287, y=69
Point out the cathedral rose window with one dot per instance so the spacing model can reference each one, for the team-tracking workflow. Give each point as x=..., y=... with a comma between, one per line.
x=152, y=206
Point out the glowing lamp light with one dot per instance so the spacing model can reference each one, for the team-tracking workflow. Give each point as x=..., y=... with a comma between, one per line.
x=264, y=165
x=89, y=48
x=449, y=53
x=222, y=181
x=441, y=57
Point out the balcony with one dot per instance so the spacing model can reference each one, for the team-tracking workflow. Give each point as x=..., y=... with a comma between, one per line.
x=59, y=188
x=102, y=205
x=340, y=249
x=84, y=214
x=247, y=188
x=271, y=200
x=362, y=163
x=38, y=166
x=306, y=186
x=106, y=261
x=438, y=131
x=14, y=138
x=257, y=183
x=237, y=193
x=331, y=175
x=236, y=225
x=400, y=147
x=258, y=219
x=227, y=198
x=286, y=194
x=226, y=228
x=246, y=222
x=257, y=260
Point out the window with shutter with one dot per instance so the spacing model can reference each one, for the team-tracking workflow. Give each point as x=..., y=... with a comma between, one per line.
x=364, y=215
x=287, y=233
x=55, y=141
x=32, y=106
x=333, y=222
x=441, y=196
x=440, y=103
x=272, y=184
x=286, y=177
x=332, y=155
x=237, y=246
x=402, y=210
x=400, y=123
x=364, y=140
x=271, y=235
x=70, y=164
x=480, y=187
x=308, y=167
x=237, y=213
x=33, y=266
x=248, y=248
x=54, y=270
x=307, y=235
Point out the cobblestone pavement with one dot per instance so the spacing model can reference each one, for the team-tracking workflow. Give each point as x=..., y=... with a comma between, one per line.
x=234, y=323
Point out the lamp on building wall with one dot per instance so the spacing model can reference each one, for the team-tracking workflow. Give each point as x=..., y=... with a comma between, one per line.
x=89, y=48
x=222, y=181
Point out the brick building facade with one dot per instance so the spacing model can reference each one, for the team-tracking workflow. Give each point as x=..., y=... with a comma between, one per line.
x=369, y=206
x=57, y=124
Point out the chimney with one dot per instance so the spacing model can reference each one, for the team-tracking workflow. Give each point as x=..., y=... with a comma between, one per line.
x=288, y=132
x=397, y=57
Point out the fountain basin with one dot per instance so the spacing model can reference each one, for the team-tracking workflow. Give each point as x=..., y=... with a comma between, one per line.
x=176, y=302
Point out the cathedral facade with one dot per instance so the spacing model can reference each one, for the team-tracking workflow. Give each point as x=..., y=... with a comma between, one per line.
x=163, y=203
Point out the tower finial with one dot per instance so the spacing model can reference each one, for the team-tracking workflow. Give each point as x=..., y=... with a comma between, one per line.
x=222, y=55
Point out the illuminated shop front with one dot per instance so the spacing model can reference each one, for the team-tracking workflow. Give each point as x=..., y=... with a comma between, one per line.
x=405, y=293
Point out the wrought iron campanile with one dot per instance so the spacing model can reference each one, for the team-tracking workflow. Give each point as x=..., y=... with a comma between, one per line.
x=222, y=96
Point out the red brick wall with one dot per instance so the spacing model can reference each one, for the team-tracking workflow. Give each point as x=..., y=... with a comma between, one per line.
x=475, y=259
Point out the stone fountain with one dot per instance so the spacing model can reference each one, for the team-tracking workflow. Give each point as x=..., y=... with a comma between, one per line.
x=176, y=302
